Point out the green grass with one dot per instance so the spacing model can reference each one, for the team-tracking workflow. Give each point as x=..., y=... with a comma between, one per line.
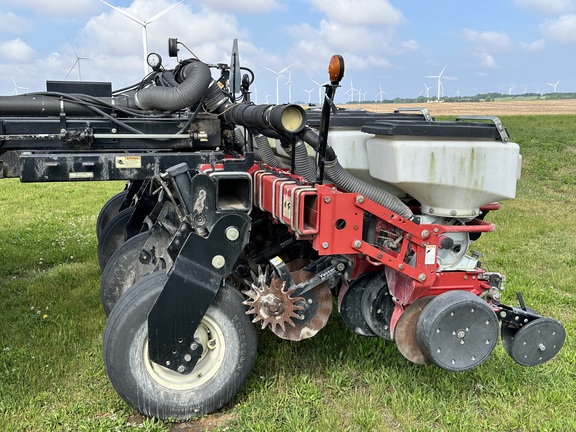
x=51, y=371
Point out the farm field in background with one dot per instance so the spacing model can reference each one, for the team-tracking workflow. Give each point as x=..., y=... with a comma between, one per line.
x=496, y=108
x=51, y=371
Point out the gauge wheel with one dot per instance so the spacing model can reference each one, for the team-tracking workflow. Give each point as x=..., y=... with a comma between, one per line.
x=225, y=332
x=108, y=211
x=457, y=330
x=120, y=271
x=113, y=235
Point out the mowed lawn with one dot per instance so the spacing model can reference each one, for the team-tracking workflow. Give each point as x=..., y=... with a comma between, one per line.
x=52, y=376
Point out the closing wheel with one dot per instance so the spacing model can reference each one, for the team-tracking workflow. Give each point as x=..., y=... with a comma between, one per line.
x=457, y=330
x=405, y=332
x=108, y=211
x=120, y=271
x=229, y=349
x=535, y=343
x=113, y=235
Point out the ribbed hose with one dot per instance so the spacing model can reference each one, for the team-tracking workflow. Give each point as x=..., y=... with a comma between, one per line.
x=266, y=152
x=197, y=77
x=239, y=140
x=350, y=183
x=304, y=165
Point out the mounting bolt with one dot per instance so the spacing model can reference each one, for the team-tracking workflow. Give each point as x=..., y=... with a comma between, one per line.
x=400, y=266
x=422, y=277
x=232, y=233
x=327, y=199
x=218, y=261
x=325, y=245
x=357, y=244
x=194, y=346
x=425, y=233
x=541, y=347
x=181, y=369
x=359, y=199
x=503, y=314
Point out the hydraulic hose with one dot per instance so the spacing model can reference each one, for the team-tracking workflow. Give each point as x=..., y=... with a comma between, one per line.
x=196, y=79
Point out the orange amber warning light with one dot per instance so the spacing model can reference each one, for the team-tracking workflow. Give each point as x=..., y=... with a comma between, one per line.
x=336, y=69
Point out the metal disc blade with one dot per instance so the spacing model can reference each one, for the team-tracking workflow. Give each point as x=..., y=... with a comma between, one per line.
x=351, y=310
x=457, y=330
x=405, y=332
x=537, y=342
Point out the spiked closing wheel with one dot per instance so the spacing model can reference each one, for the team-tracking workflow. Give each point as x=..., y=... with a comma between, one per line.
x=457, y=330
x=289, y=316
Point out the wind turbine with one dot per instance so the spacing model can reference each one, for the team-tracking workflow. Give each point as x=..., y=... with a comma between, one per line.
x=309, y=93
x=554, y=85
x=439, y=77
x=277, y=80
x=382, y=93
x=266, y=98
x=510, y=88
x=289, y=84
x=16, y=87
x=77, y=62
x=319, y=91
x=144, y=24
x=350, y=92
x=427, y=90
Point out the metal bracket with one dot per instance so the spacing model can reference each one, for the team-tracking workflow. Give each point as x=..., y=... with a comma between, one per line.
x=499, y=126
x=192, y=285
x=424, y=111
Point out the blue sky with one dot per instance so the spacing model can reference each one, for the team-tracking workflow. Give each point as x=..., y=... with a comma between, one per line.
x=389, y=45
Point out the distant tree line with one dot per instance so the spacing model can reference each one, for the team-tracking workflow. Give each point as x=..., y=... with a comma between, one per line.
x=482, y=97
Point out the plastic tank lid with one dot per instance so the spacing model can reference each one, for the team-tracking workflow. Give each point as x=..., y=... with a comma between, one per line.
x=433, y=129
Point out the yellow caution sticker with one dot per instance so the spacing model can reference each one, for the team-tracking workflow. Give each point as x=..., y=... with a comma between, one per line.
x=128, y=162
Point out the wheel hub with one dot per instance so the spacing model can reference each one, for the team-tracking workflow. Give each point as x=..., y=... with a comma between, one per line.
x=535, y=343
x=457, y=330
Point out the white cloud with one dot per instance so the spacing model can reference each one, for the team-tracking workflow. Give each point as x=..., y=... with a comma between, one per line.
x=537, y=45
x=17, y=51
x=488, y=41
x=11, y=23
x=562, y=29
x=242, y=6
x=487, y=60
x=550, y=7
x=360, y=12
x=57, y=9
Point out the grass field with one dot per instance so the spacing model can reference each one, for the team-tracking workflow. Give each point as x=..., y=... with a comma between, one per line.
x=51, y=371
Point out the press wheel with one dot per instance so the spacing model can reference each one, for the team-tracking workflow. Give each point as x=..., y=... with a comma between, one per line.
x=457, y=330
x=535, y=343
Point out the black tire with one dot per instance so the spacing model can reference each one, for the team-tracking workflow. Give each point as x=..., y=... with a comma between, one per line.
x=120, y=271
x=159, y=392
x=113, y=235
x=108, y=211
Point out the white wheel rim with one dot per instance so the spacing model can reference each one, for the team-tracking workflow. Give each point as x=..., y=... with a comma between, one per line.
x=211, y=337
